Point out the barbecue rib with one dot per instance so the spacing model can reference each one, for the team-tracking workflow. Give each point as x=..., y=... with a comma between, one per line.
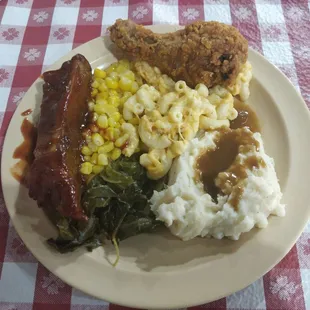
x=204, y=52
x=54, y=179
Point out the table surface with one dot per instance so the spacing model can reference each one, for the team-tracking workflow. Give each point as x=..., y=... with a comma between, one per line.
x=34, y=34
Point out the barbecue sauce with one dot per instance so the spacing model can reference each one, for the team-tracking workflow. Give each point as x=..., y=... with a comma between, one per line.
x=24, y=152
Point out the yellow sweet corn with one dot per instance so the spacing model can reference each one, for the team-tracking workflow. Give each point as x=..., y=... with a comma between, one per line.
x=94, y=158
x=114, y=100
x=97, y=139
x=111, y=68
x=111, y=88
x=95, y=84
x=86, y=158
x=95, y=117
x=106, y=148
x=102, y=159
x=102, y=121
x=115, y=154
x=102, y=95
x=91, y=105
x=125, y=83
x=94, y=92
x=97, y=169
x=111, y=122
x=86, y=168
x=114, y=76
x=93, y=147
x=122, y=140
x=86, y=150
x=111, y=83
x=99, y=73
x=116, y=116
x=134, y=87
x=129, y=75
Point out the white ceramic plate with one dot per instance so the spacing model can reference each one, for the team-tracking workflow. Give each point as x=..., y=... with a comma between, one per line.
x=159, y=271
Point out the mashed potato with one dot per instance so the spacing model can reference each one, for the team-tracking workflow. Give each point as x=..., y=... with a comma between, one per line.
x=188, y=211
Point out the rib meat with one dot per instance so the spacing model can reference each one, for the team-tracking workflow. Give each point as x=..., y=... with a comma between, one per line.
x=54, y=179
x=204, y=52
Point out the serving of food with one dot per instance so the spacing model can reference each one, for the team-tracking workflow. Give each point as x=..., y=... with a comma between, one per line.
x=164, y=138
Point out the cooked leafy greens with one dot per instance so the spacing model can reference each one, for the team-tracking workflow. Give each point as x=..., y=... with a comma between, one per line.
x=117, y=204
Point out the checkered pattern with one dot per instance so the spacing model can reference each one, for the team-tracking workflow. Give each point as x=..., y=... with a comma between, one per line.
x=34, y=34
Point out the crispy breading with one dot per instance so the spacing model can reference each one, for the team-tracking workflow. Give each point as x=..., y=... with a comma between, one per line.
x=203, y=52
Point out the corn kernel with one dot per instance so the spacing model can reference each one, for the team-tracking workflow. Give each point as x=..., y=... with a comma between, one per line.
x=134, y=87
x=94, y=159
x=114, y=76
x=99, y=108
x=125, y=83
x=86, y=168
x=101, y=101
x=91, y=105
x=105, y=108
x=100, y=73
x=102, y=159
x=114, y=100
x=121, y=121
x=86, y=150
x=116, y=116
x=112, y=134
x=134, y=121
x=115, y=154
x=111, y=68
x=94, y=92
x=106, y=148
x=129, y=75
x=122, y=140
x=95, y=117
x=93, y=147
x=102, y=96
x=95, y=84
x=88, y=139
x=117, y=133
x=97, y=139
x=111, y=83
x=121, y=68
x=102, y=121
x=99, y=80
x=103, y=87
x=111, y=122
x=113, y=92
x=117, y=125
x=126, y=96
x=97, y=169
x=86, y=158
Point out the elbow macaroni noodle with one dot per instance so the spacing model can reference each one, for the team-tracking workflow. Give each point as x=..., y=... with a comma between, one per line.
x=163, y=115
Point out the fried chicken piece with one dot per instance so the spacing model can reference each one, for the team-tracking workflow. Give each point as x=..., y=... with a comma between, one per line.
x=204, y=52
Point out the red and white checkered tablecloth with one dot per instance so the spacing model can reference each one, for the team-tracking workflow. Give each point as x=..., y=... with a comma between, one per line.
x=35, y=33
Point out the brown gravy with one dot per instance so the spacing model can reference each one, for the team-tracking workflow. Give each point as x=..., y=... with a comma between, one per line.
x=24, y=152
x=27, y=112
x=246, y=117
x=218, y=169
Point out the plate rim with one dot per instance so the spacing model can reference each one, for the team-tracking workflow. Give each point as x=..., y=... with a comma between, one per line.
x=132, y=303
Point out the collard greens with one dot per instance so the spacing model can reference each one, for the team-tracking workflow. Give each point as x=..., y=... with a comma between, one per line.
x=117, y=204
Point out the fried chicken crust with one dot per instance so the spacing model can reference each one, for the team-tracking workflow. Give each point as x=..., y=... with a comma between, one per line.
x=204, y=52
